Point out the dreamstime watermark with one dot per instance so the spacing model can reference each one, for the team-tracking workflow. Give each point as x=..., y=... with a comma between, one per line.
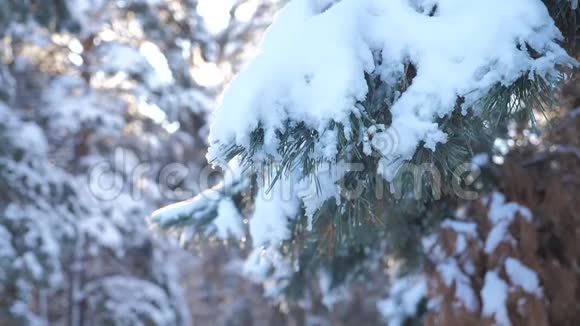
x=175, y=181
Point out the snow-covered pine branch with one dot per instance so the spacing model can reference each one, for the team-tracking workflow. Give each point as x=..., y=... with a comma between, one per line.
x=314, y=58
x=378, y=83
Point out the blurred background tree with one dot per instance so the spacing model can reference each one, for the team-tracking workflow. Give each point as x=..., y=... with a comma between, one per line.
x=97, y=98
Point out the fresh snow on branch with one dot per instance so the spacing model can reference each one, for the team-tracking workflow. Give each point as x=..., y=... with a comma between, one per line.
x=314, y=57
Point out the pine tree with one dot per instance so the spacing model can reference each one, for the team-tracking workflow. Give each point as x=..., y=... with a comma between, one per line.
x=354, y=132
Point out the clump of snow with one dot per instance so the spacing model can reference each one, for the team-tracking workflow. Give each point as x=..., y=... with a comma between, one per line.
x=468, y=228
x=501, y=210
x=32, y=138
x=501, y=214
x=463, y=231
x=403, y=301
x=268, y=266
x=452, y=274
x=498, y=234
x=273, y=210
x=494, y=296
x=314, y=194
x=522, y=276
x=104, y=231
x=147, y=61
x=322, y=81
x=6, y=248
x=32, y=265
x=118, y=57
x=158, y=62
x=228, y=220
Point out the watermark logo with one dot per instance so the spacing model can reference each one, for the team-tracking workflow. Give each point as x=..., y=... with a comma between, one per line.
x=176, y=181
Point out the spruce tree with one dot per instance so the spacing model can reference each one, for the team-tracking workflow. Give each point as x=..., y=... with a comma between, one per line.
x=356, y=130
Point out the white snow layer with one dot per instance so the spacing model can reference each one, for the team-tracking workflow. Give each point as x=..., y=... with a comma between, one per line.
x=404, y=297
x=522, y=276
x=452, y=274
x=501, y=215
x=273, y=210
x=468, y=228
x=314, y=56
x=269, y=267
x=228, y=220
x=494, y=296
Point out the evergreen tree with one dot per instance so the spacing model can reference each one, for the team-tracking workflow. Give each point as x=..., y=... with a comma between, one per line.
x=354, y=133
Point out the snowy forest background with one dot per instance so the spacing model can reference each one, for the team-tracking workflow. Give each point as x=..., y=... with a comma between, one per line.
x=105, y=112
